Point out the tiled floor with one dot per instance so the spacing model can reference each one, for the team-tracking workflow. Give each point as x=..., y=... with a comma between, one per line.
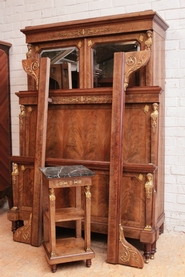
x=22, y=260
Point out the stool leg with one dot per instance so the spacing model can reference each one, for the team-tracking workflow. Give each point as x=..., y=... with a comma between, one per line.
x=87, y=222
x=54, y=268
x=153, y=250
x=78, y=205
x=88, y=263
x=52, y=212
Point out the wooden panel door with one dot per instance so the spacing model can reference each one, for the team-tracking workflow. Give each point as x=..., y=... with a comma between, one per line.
x=5, y=127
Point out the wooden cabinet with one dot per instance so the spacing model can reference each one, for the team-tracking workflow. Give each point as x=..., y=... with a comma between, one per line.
x=118, y=136
x=5, y=124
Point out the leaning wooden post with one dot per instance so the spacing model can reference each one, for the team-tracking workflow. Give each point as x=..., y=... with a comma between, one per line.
x=40, y=150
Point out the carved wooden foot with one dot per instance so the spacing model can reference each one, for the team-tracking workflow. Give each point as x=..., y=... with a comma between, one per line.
x=88, y=263
x=20, y=223
x=128, y=254
x=16, y=224
x=147, y=252
x=23, y=233
x=153, y=250
x=161, y=229
x=54, y=268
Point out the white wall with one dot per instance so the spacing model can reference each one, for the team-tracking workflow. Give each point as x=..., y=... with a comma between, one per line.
x=15, y=15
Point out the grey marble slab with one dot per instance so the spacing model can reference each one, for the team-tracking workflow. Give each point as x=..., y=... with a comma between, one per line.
x=66, y=171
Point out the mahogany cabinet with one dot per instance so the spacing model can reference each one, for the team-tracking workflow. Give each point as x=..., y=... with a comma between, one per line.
x=87, y=126
x=5, y=124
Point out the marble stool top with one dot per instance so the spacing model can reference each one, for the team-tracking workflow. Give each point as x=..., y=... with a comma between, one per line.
x=66, y=171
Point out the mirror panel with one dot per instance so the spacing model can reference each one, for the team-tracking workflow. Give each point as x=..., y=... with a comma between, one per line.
x=103, y=60
x=64, y=69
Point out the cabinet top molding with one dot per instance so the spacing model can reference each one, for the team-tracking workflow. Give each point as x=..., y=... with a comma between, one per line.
x=5, y=43
x=116, y=24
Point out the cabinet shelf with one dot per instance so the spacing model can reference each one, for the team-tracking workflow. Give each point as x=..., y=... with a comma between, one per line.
x=69, y=249
x=67, y=214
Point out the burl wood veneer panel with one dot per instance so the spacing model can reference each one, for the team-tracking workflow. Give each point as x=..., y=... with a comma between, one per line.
x=133, y=201
x=25, y=197
x=136, y=142
x=80, y=132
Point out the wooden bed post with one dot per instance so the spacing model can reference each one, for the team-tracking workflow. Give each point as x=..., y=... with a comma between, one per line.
x=40, y=150
x=119, y=250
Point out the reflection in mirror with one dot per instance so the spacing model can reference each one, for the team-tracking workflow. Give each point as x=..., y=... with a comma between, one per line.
x=64, y=69
x=103, y=60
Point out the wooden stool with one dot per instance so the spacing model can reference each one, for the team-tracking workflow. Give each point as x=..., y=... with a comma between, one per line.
x=73, y=248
